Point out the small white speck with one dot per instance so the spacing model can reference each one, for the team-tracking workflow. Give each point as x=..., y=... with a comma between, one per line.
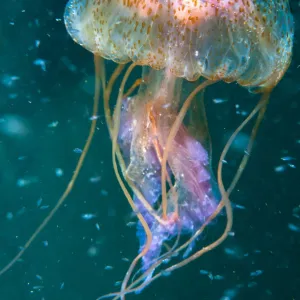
x=130, y=224
x=43, y=207
x=280, y=169
x=77, y=151
x=9, y=215
x=37, y=287
x=39, y=277
x=93, y=251
x=53, y=124
x=219, y=100
x=59, y=172
x=94, y=118
x=95, y=179
x=88, y=216
x=287, y=158
x=22, y=182
x=293, y=227
x=256, y=273
x=40, y=62
x=239, y=206
x=125, y=259
x=39, y=202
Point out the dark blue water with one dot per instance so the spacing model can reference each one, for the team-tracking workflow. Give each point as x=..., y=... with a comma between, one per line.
x=46, y=92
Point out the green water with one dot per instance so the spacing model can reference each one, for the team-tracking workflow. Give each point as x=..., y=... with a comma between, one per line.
x=45, y=104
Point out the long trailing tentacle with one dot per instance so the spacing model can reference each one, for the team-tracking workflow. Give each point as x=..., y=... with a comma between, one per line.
x=79, y=165
x=106, y=96
x=115, y=132
x=264, y=103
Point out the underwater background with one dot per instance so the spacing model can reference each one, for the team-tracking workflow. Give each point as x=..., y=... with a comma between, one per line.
x=46, y=93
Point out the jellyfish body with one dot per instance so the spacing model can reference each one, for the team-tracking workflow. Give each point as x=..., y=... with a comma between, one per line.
x=161, y=158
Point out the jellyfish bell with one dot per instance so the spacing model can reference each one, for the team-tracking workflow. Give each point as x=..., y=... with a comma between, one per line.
x=245, y=41
x=160, y=139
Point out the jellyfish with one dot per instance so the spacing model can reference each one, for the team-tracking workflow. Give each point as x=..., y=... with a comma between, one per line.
x=161, y=149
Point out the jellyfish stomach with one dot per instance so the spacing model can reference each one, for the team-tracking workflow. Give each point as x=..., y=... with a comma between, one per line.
x=189, y=163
